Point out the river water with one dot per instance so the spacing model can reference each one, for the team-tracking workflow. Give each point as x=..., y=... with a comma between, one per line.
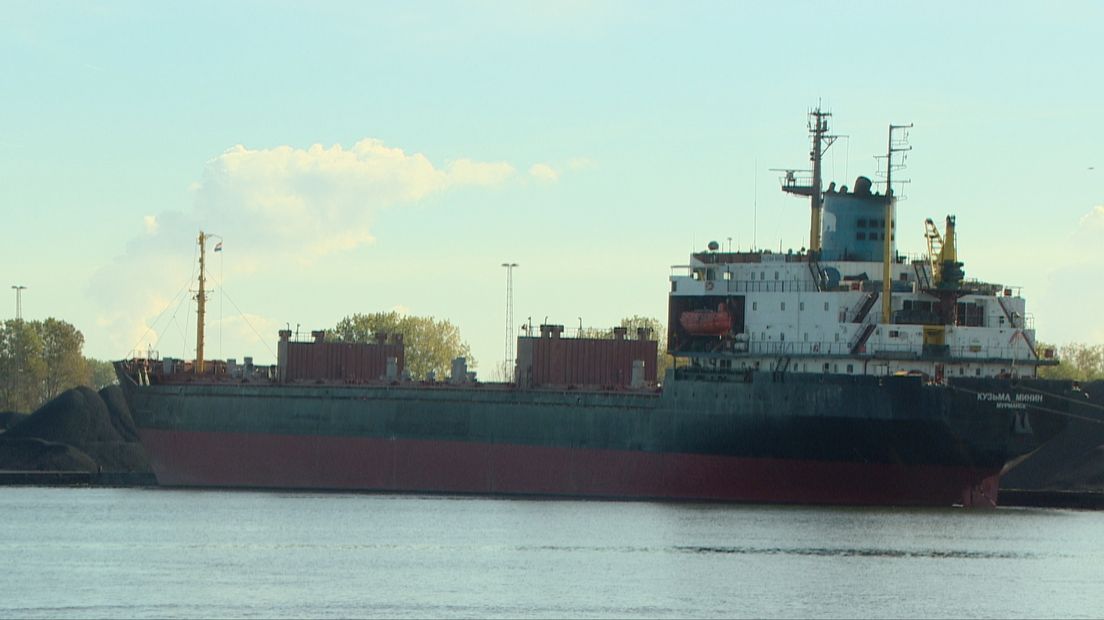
x=78, y=552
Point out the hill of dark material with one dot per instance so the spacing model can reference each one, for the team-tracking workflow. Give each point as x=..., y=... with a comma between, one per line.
x=1072, y=461
x=79, y=430
x=9, y=419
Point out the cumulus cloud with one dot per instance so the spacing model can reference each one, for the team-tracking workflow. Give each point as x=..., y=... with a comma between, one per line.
x=320, y=200
x=1093, y=220
x=276, y=209
x=544, y=172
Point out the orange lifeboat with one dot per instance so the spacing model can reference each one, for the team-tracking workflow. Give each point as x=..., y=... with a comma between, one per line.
x=706, y=322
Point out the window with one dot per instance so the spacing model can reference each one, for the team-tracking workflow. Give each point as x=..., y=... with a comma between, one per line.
x=977, y=372
x=861, y=236
x=850, y=368
x=862, y=222
x=806, y=336
x=782, y=336
x=728, y=275
x=783, y=306
x=826, y=306
x=762, y=275
x=801, y=307
x=754, y=306
x=825, y=366
x=776, y=275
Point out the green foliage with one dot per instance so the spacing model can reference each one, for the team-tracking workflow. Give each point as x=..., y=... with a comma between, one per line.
x=22, y=366
x=41, y=359
x=102, y=373
x=1079, y=362
x=429, y=344
x=61, y=352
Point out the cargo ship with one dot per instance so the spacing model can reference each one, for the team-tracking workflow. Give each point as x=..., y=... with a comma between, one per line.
x=841, y=373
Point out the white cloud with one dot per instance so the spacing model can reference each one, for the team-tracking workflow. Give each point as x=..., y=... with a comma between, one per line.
x=275, y=210
x=544, y=172
x=1093, y=220
x=315, y=201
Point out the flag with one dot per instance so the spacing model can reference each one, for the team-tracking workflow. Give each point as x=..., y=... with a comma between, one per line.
x=218, y=246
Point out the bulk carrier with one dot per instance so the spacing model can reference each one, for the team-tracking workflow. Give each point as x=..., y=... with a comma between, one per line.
x=844, y=373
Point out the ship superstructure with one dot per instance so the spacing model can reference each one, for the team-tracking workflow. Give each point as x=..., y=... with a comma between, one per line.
x=830, y=309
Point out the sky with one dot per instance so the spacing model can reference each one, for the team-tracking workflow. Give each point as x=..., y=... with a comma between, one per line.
x=377, y=156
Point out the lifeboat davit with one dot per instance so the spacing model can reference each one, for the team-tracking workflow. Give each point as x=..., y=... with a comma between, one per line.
x=706, y=322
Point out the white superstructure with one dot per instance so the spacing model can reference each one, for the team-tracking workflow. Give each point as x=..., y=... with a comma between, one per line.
x=824, y=311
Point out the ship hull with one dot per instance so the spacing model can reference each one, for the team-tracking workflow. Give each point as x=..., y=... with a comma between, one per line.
x=755, y=437
x=251, y=460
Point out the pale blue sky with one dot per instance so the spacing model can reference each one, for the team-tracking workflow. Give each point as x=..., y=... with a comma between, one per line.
x=595, y=143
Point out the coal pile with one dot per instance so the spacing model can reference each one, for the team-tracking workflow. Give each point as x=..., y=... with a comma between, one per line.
x=9, y=419
x=79, y=430
x=1072, y=461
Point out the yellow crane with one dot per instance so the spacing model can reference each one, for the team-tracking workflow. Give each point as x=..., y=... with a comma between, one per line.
x=943, y=254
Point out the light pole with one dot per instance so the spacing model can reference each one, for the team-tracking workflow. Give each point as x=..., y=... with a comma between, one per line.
x=507, y=364
x=19, y=288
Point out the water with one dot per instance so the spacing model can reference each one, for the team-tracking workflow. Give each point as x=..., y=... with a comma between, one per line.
x=162, y=553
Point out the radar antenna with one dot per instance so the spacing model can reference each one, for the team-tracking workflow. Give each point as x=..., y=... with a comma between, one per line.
x=808, y=183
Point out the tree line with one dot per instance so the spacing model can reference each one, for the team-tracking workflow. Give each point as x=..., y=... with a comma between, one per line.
x=41, y=359
x=1078, y=362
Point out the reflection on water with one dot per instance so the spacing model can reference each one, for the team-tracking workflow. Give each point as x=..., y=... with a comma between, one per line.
x=158, y=553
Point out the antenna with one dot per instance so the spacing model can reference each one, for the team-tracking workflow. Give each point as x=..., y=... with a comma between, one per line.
x=897, y=143
x=808, y=182
x=755, y=205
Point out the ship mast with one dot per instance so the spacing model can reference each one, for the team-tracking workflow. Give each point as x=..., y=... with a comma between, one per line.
x=894, y=145
x=796, y=182
x=818, y=126
x=201, y=303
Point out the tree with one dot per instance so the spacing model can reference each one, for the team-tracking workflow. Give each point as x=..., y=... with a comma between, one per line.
x=41, y=359
x=23, y=368
x=429, y=344
x=102, y=373
x=61, y=352
x=1079, y=362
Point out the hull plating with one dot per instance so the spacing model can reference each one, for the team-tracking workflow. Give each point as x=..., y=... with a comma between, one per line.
x=372, y=464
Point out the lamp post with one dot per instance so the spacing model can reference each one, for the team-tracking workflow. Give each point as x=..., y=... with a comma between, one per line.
x=19, y=288
x=507, y=363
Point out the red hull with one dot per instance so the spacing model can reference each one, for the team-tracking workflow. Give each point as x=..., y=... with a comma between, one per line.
x=202, y=459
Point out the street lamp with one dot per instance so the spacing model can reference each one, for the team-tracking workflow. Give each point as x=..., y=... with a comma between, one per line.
x=507, y=364
x=19, y=288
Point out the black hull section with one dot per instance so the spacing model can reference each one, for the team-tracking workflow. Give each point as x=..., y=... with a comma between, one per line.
x=901, y=422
